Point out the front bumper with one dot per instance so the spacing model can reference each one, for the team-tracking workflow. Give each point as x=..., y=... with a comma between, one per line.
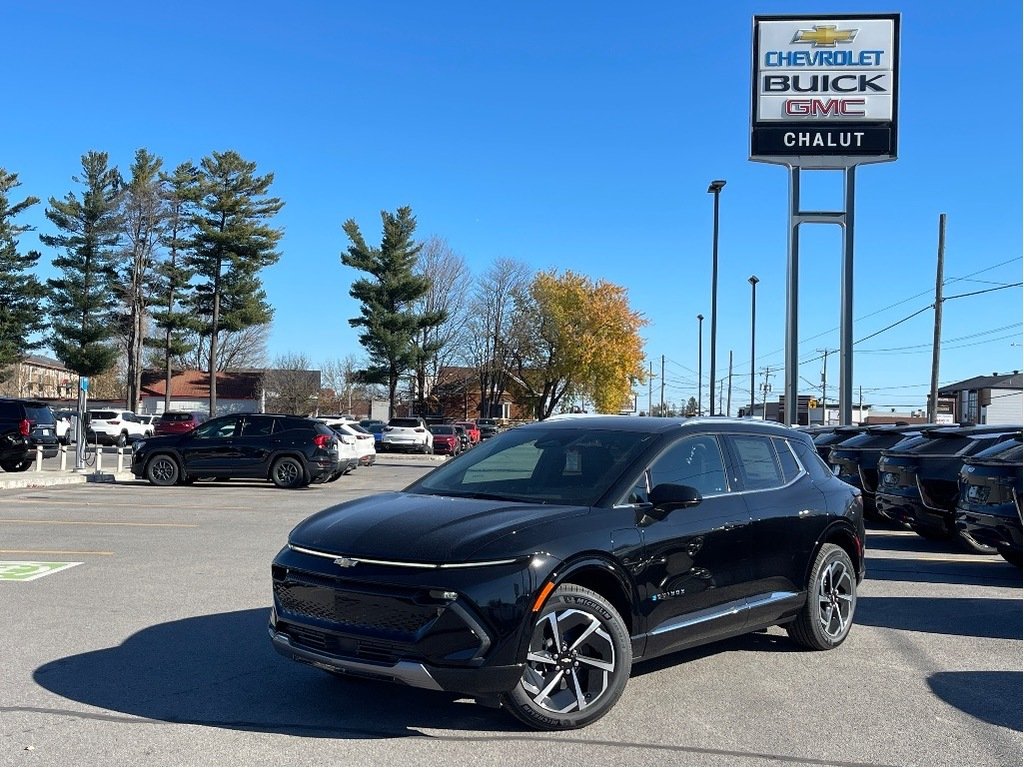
x=456, y=630
x=488, y=680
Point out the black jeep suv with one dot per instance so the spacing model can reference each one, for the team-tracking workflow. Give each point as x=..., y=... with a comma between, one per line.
x=291, y=451
x=536, y=568
x=25, y=424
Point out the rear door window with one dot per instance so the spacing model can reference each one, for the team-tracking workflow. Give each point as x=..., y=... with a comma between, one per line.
x=758, y=464
x=790, y=467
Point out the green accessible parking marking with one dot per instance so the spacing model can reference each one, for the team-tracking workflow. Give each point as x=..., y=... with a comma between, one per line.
x=25, y=570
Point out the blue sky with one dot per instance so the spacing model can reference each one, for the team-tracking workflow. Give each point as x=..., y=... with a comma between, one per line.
x=566, y=135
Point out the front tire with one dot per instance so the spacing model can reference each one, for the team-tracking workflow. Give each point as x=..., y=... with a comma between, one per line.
x=825, y=620
x=287, y=472
x=162, y=470
x=577, y=664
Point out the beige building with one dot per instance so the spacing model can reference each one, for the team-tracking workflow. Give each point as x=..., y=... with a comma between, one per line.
x=40, y=377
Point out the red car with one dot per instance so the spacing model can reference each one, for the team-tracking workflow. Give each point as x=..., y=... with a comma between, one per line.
x=177, y=422
x=471, y=429
x=446, y=439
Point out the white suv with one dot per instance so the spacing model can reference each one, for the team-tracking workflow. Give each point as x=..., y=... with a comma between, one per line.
x=407, y=434
x=115, y=427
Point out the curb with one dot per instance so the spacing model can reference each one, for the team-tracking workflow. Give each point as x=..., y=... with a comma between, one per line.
x=47, y=479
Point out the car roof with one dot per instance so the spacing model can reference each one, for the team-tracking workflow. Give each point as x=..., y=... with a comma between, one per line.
x=660, y=424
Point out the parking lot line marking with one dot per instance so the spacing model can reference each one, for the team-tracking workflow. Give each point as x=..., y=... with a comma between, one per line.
x=98, y=522
x=106, y=505
x=52, y=552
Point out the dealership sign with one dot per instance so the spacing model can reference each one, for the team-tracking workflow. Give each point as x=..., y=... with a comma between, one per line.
x=825, y=89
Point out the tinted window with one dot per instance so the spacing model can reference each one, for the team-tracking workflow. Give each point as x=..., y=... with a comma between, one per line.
x=39, y=415
x=695, y=461
x=568, y=466
x=440, y=430
x=10, y=410
x=758, y=468
x=810, y=460
x=102, y=415
x=254, y=426
x=176, y=416
x=790, y=468
x=404, y=423
x=293, y=423
x=216, y=428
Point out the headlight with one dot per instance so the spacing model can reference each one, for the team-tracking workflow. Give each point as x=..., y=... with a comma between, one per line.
x=138, y=446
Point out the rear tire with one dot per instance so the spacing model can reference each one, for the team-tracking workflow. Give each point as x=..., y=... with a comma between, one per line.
x=825, y=620
x=16, y=465
x=163, y=470
x=287, y=472
x=577, y=663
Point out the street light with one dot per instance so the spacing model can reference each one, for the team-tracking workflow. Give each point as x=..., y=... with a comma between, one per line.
x=700, y=360
x=714, y=188
x=753, y=311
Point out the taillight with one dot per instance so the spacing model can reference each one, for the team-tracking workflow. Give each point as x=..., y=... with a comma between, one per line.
x=322, y=441
x=113, y=422
x=24, y=427
x=420, y=429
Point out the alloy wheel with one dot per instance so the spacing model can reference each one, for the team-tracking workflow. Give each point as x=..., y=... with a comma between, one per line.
x=570, y=661
x=835, y=599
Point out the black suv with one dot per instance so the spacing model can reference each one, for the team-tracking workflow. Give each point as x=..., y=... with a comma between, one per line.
x=291, y=451
x=536, y=568
x=25, y=424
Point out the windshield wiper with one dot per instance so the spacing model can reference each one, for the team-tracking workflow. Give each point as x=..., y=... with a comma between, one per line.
x=479, y=495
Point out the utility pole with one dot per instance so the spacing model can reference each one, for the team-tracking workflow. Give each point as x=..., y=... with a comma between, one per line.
x=650, y=387
x=662, y=386
x=824, y=376
x=728, y=401
x=765, y=389
x=933, y=404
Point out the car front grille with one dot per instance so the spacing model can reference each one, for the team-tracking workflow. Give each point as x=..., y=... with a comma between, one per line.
x=391, y=614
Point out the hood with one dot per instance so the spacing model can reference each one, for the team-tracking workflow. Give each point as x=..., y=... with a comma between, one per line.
x=420, y=528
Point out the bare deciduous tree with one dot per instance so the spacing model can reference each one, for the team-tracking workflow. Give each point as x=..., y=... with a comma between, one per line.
x=290, y=385
x=440, y=344
x=236, y=350
x=494, y=328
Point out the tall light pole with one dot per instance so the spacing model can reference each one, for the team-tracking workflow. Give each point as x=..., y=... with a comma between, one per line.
x=714, y=188
x=753, y=313
x=700, y=360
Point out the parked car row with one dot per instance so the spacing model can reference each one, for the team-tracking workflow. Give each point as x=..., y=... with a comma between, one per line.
x=946, y=482
x=413, y=434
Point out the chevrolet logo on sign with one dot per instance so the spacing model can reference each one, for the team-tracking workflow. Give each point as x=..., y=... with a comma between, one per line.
x=824, y=36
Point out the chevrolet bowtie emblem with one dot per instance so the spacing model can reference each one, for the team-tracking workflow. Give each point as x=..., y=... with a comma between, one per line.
x=345, y=562
x=824, y=36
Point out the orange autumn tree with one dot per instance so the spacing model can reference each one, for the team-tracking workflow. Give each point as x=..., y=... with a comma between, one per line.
x=585, y=341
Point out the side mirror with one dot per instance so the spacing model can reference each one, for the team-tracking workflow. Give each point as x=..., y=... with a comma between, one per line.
x=669, y=496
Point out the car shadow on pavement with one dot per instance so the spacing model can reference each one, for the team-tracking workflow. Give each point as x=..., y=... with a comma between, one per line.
x=994, y=697
x=997, y=618
x=978, y=570
x=220, y=670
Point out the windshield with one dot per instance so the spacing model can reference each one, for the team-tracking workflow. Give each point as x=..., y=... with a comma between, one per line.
x=548, y=465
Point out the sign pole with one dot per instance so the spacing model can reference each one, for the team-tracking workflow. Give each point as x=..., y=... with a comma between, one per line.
x=846, y=309
x=792, y=293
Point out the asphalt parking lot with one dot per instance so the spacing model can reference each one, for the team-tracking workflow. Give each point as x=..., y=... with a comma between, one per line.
x=153, y=650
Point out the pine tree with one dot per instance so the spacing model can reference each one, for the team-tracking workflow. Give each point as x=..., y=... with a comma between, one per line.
x=170, y=280
x=83, y=300
x=230, y=244
x=388, y=316
x=21, y=294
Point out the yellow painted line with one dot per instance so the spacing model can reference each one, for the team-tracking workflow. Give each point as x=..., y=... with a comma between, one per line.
x=51, y=552
x=98, y=522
